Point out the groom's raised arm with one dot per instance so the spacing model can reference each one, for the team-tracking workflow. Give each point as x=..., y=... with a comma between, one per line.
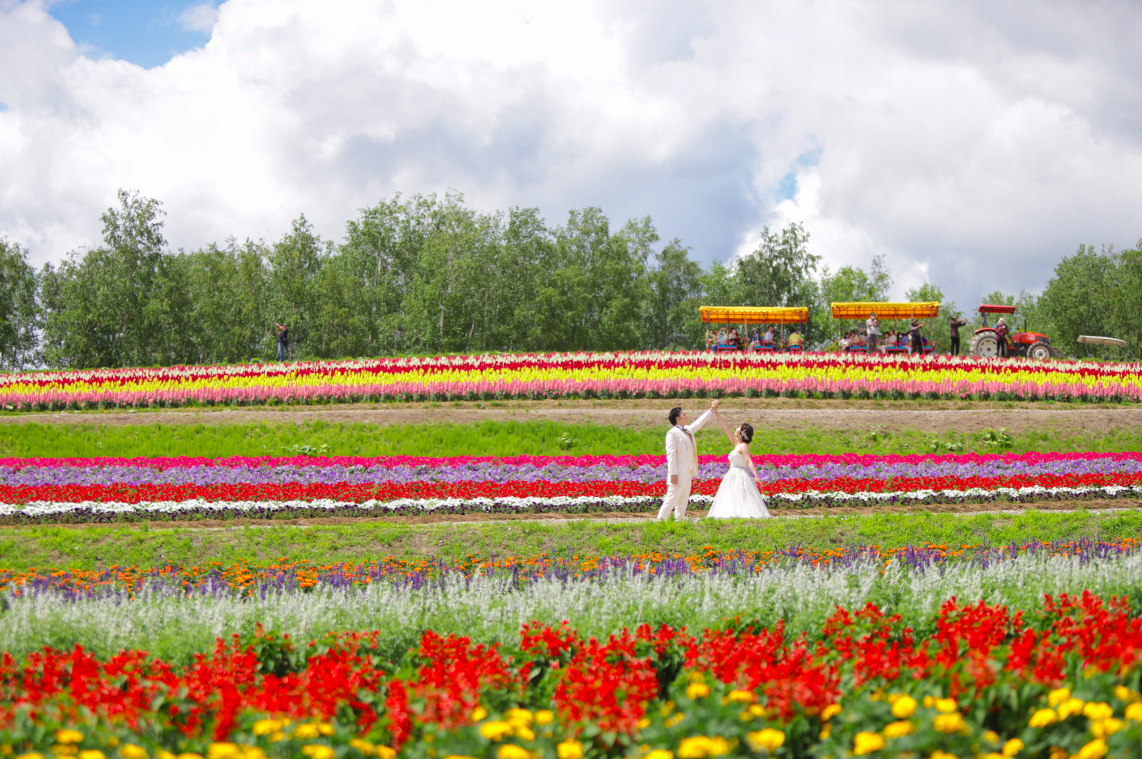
x=701, y=421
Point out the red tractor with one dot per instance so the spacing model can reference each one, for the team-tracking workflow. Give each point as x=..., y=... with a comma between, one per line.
x=1027, y=344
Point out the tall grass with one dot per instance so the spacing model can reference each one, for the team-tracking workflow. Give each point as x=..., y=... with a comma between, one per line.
x=495, y=438
x=100, y=547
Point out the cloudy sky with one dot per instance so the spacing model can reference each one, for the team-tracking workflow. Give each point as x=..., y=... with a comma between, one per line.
x=973, y=143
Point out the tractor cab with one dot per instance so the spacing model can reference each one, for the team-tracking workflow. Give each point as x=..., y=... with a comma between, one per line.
x=1032, y=345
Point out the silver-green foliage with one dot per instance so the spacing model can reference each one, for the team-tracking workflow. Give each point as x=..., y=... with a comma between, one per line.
x=174, y=627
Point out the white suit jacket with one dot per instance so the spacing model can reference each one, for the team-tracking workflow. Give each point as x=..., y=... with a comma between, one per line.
x=681, y=450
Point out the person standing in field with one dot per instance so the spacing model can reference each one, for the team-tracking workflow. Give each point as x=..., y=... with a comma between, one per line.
x=917, y=339
x=283, y=340
x=957, y=322
x=1001, y=339
x=681, y=461
x=872, y=328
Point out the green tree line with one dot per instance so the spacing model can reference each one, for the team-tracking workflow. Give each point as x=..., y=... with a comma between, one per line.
x=429, y=274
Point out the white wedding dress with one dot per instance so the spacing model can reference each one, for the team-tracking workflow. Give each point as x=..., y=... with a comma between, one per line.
x=738, y=496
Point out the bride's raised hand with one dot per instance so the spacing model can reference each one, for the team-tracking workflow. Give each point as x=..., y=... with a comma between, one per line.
x=714, y=406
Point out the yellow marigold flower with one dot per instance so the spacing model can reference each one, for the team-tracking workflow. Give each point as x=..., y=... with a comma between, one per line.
x=458, y=756
x=769, y=739
x=1058, y=753
x=6, y=749
x=1104, y=727
x=1043, y=717
x=866, y=742
x=644, y=723
x=512, y=751
x=1058, y=696
x=992, y=755
x=384, y=752
x=165, y=755
x=991, y=735
x=1134, y=712
x=740, y=697
x=519, y=716
x=222, y=751
x=1096, y=749
x=525, y=732
x=946, y=705
x=253, y=752
x=696, y=677
x=826, y=731
x=904, y=707
x=68, y=736
x=897, y=729
x=697, y=690
x=496, y=730
x=666, y=708
x=478, y=714
x=929, y=702
x=569, y=749
x=830, y=711
x=660, y=753
x=266, y=726
x=92, y=754
x=756, y=710
x=275, y=737
x=113, y=741
x=364, y=747
x=32, y=755
x=1122, y=693
x=544, y=717
x=131, y=751
x=325, y=728
x=1012, y=747
x=189, y=755
x=938, y=754
x=1097, y=710
x=1071, y=707
x=696, y=747
x=877, y=695
x=306, y=731
x=674, y=719
x=317, y=751
x=949, y=723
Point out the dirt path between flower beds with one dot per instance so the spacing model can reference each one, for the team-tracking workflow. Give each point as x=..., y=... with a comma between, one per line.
x=1116, y=504
x=935, y=417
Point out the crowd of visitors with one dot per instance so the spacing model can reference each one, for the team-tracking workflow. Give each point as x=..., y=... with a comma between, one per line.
x=763, y=342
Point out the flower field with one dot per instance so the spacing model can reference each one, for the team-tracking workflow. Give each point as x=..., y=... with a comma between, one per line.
x=619, y=375
x=1031, y=669
x=100, y=490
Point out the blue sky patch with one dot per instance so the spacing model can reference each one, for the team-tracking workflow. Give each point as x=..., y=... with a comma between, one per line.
x=147, y=33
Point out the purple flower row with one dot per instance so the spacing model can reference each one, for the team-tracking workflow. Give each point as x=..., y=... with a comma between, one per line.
x=492, y=472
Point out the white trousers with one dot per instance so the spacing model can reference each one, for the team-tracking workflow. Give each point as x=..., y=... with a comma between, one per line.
x=677, y=498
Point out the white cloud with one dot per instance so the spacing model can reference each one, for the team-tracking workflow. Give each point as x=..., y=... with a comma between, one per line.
x=199, y=18
x=975, y=143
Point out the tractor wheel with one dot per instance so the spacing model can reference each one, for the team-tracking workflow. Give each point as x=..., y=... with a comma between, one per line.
x=1039, y=351
x=985, y=345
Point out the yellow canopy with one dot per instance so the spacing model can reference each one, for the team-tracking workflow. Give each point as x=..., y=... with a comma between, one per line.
x=740, y=314
x=886, y=310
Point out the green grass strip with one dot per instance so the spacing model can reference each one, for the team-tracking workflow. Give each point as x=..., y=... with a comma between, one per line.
x=496, y=438
x=100, y=547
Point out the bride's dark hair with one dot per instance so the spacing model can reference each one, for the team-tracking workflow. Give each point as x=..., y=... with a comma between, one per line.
x=747, y=433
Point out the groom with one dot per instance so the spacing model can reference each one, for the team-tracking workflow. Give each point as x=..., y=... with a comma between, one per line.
x=681, y=461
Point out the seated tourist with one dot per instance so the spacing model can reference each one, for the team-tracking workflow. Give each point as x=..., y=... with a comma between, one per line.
x=722, y=339
x=890, y=339
x=768, y=338
x=754, y=339
x=795, y=339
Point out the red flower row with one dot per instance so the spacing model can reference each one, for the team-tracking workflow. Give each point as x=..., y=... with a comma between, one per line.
x=979, y=651
x=390, y=491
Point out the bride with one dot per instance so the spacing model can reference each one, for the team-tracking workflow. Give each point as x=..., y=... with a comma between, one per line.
x=738, y=496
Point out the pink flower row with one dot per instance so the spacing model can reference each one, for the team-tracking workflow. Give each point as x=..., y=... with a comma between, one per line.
x=1030, y=458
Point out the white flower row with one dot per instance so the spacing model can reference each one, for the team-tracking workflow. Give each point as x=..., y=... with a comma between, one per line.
x=559, y=503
